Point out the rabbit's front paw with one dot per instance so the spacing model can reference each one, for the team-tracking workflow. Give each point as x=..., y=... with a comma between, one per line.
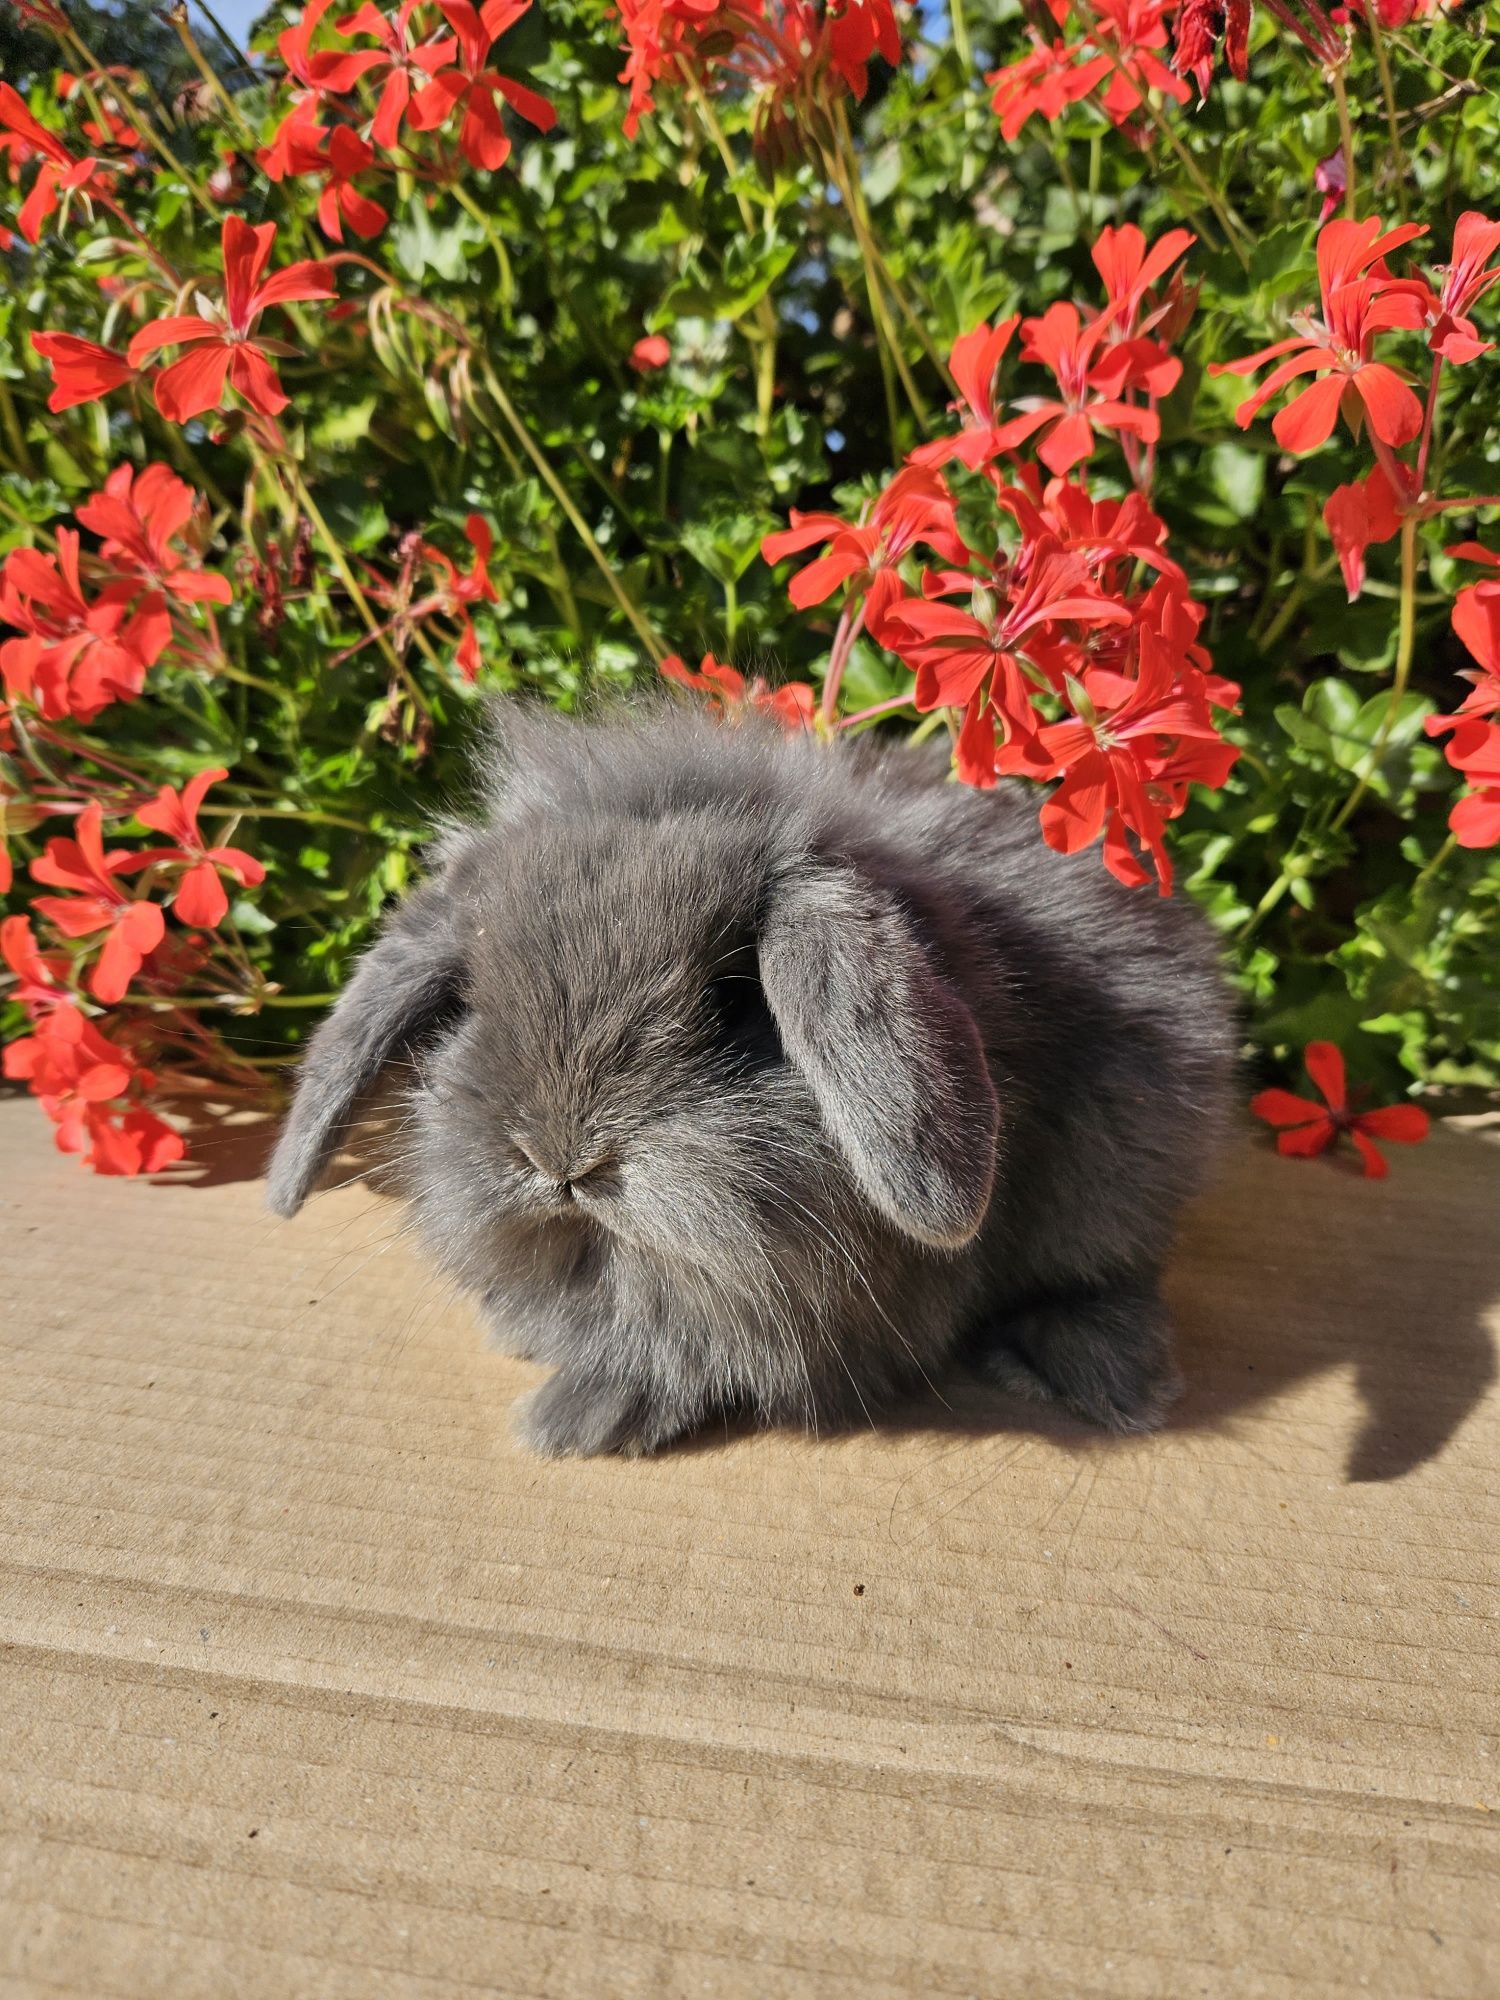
x=1107, y=1354
x=582, y=1416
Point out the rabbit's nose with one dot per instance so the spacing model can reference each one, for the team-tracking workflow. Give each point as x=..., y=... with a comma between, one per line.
x=560, y=1173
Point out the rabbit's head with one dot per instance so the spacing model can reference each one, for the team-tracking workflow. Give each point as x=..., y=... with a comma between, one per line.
x=684, y=1036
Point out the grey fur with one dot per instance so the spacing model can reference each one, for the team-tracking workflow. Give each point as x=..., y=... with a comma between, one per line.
x=759, y=1077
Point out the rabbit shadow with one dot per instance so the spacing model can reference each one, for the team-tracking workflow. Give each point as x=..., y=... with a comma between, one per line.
x=1288, y=1269
x=1284, y=1270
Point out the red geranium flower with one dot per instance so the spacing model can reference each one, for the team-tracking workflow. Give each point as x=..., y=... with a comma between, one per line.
x=200, y=899
x=479, y=89
x=223, y=346
x=1476, y=620
x=82, y=370
x=1454, y=335
x=400, y=66
x=138, y=515
x=461, y=589
x=1474, y=749
x=1306, y=1127
x=1092, y=376
x=652, y=350
x=972, y=361
x=1126, y=756
x=915, y=507
x=74, y=657
x=1360, y=300
x=39, y=975
x=99, y=904
x=304, y=147
x=76, y=1074
x=1357, y=515
x=1201, y=26
x=23, y=136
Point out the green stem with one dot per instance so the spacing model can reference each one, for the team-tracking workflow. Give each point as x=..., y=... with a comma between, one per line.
x=492, y=237
x=1448, y=848
x=564, y=499
x=1346, y=140
x=1404, y=647
x=350, y=582
x=962, y=47
x=1388, y=92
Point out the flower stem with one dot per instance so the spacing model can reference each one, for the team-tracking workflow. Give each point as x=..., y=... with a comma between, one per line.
x=838, y=658
x=1346, y=140
x=1388, y=91
x=1434, y=865
x=350, y=582
x=1404, y=646
x=564, y=499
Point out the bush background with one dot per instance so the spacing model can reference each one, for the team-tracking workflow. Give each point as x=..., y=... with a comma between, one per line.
x=1374, y=935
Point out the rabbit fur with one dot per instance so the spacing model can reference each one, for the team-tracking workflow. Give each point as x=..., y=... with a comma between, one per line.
x=764, y=1077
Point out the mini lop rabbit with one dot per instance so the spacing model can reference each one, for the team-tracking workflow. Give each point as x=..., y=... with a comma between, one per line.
x=763, y=1077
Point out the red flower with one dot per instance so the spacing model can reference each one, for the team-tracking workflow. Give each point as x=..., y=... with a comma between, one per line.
x=1454, y=335
x=791, y=704
x=459, y=591
x=75, y=1074
x=1126, y=756
x=39, y=975
x=1131, y=30
x=1044, y=83
x=652, y=350
x=971, y=659
x=223, y=346
x=972, y=361
x=399, y=66
x=200, y=899
x=99, y=904
x=24, y=137
x=1129, y=268
x=1201, y=26
x=138, y=515
x=321, y=72
x=82, y=371
x=1360, y=300
x=480, y=90
x=1474, y=749
x=1092, y=377
x=1476, y=620
x=1357, y=515
x=303, y=146
x=75, y=657
x=1306, y=1127
x=915, y=507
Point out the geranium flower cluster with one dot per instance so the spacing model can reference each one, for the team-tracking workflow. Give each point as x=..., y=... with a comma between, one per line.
x=361, y=107
x=1063, y=665
x=1362, y=301
x=795, y=56
x=91, y=1088
x=1114, y=48
x=88, y=627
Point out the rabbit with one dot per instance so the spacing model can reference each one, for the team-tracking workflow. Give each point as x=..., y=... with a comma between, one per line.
x=765, y=1077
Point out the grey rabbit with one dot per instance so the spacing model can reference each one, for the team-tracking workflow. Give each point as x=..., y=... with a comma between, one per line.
x=763, y=1077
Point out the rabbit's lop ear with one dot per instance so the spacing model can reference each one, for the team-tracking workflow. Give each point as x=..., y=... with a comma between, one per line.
x=891, y=1052
x=408, y=982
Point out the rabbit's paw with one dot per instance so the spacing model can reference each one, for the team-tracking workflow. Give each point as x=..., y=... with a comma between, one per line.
x=583, y=1416
x=1106, y=1354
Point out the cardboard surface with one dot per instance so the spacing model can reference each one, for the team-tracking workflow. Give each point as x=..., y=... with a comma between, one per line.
x=314, y=1684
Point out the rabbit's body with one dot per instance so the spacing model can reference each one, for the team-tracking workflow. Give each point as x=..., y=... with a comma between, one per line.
x=717, y=1028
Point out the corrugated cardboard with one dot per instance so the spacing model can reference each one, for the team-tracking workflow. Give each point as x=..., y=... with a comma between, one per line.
x=315, y=1684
